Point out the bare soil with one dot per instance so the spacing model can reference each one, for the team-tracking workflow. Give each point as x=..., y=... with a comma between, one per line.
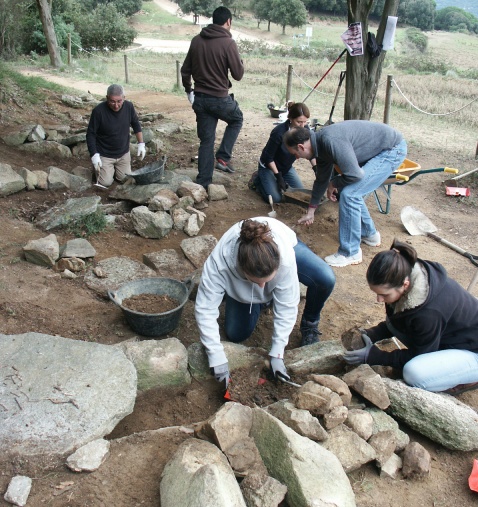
x=34, y=298
x=150, y=303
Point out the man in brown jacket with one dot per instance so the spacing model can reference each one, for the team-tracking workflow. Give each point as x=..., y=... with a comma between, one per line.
x=212, y=54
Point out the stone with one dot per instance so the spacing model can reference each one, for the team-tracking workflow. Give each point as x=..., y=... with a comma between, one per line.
x=440, y=417
x=368, y=384
x=71, y=211
x=317, y=399
x=199, y=474
x=29, y=177
x=198, y=249
x=391, y=468
x=193, y=225
x=416, y=461
x=18, y=490
x=301, y=421
x=384, y=444
x=168, y=263
x=216, y=192
x=152, y=225
x=78, y=247
x=196, y=191
x=37, y=134
x=10, y=181
x=325, y=357
x=351, y=450
x=71, y=264
x=312, y=474
x=158, y=363
x=109, y=274
x=180, y=218
x=42, y=180
x=164, y=200
x=334, y=384
x=361, y=422
x=60, y=394
x=335, y=417
x=262, y=491
x=89, y=457
x=49, y=148
x=383, y=422
x=44, y=251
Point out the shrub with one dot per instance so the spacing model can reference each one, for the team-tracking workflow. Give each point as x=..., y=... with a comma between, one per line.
x=88, y=225
x=417, y=39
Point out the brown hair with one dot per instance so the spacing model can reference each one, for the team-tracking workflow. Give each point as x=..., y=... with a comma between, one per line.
x=297, y=109
x=392, y=267
x=258, y=255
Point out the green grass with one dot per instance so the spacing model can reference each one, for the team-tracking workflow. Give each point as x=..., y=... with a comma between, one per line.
x=88, y=225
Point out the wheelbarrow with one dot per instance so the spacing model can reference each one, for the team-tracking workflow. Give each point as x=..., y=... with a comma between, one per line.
x=405, y=173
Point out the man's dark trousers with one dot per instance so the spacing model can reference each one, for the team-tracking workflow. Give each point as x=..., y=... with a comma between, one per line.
x=208, y=111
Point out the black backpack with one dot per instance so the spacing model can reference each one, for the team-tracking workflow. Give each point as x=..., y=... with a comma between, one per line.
x=373, y=48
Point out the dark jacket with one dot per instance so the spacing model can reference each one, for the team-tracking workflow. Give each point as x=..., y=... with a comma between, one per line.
x=211, y=55
x=447, y=319
x=275, y=150
x=108, y=131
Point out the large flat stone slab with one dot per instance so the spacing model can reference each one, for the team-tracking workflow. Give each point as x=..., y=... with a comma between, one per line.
x=58, y=394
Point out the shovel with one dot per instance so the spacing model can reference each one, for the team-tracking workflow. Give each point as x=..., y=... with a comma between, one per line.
x=341, y=79
x=418, y=224
x=452, y=181
x=272, y=214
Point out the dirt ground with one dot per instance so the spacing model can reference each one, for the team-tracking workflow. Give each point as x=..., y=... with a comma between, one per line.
x=33, y=298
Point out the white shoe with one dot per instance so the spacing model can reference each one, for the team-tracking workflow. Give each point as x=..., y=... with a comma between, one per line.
x=373, y=240
x=339, y=261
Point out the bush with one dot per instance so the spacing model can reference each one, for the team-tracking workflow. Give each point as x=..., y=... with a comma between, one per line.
x=421, y=65
x=37, y=41
x=416, y=39
x=88, y=225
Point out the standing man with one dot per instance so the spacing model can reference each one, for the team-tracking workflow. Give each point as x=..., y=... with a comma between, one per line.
x=212, y=54
x=108, y=137
x=364, y=155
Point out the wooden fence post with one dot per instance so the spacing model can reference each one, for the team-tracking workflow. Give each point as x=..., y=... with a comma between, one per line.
x=126, y=77
x=178, y=75
x=388, y=99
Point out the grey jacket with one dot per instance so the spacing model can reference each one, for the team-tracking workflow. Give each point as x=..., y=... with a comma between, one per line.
x=221, y=275
x=350, y=145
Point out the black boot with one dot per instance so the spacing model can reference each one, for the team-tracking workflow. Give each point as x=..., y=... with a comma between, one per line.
x=310, y=332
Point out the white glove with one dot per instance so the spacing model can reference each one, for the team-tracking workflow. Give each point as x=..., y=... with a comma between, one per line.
x=278, y=368
x=191, y=97
x=141, y=150
x=221, y=373
x=96, y=161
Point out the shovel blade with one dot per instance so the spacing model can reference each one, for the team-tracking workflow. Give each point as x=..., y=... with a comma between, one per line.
x=272, y=214
x=415, y=222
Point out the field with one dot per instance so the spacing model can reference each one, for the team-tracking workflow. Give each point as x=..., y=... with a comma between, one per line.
x=29, y=293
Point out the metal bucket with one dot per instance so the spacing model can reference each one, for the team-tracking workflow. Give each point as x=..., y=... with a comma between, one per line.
x=153, y=324
x=151, y=173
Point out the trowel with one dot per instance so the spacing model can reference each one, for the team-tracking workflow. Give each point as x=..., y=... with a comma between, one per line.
x=273, y=213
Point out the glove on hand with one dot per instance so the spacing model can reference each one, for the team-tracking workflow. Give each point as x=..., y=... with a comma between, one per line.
x=191, y=97
x=278, y=368
x=221, y=373
x=96, y=161
x=141, y=150
x=280, y=182
x=359, y=356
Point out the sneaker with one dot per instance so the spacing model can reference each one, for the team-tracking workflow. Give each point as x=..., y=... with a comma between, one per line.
x=252, y=182
x=373, y=240
x=224, y=166
x=461, y=388
x=310, y=333
x=340, y=261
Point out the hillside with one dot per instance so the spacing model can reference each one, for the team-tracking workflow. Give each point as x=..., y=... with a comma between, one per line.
x=470, y=6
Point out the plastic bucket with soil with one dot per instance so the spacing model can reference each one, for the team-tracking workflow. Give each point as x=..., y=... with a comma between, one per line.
x=163, y=298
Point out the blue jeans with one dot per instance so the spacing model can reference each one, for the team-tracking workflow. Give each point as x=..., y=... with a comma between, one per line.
x=314, y=273
x=441, y=370
x=266, y=183
x=355, y=221
x=208, y=111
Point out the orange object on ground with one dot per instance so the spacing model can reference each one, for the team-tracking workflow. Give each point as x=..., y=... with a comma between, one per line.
x=473, y=479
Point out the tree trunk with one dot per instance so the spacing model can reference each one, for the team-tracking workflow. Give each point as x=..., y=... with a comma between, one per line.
x=363, y=72
x=268, y=26
x=283, y=29
x=49, y=31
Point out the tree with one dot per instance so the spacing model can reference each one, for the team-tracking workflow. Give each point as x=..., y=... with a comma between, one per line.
x=453, y=19
x=363, y=72
x=262, y=10
x=419, y=13
x=199, y=7
x=49, y=31
x=11, y=13
x=288, y=13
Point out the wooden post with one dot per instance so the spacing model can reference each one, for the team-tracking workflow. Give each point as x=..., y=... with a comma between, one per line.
x=178, y=75
x=289, y=84
x=126, y=77
x=68, y=48
x=388, y=99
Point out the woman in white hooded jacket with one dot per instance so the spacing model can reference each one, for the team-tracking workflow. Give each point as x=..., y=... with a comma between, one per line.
x=257, y=262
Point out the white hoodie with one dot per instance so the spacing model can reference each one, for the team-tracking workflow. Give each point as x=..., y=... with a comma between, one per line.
x=221, y=275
